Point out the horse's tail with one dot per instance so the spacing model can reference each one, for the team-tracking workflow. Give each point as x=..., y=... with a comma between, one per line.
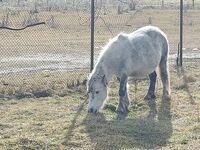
x=163, y=66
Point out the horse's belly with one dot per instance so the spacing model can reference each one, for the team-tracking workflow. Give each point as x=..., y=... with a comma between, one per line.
x=142, y=69
x=141, y=73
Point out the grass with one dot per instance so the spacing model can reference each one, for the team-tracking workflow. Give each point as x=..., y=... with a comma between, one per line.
x=48, y=110
x=46, y=84
x=63, y=123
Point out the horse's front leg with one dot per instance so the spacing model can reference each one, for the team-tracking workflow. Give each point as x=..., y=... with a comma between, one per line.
x=123, y=94
x=151, y=92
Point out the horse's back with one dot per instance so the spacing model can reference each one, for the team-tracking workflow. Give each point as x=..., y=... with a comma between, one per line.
x=151, y=31
x=137, y=53
x=159, y=39
x=149, y=44
x=151, y=38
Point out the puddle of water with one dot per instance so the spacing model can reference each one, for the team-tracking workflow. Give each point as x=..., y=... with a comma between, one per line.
x=194, y=54
x=39, y=57
x=42, y=62
x=59, y=62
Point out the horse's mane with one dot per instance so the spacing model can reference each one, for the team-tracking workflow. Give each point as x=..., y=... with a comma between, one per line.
x=98, y=71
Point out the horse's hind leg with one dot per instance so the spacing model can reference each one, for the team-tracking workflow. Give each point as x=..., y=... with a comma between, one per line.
x=164, y=73
x=123, y=94
x=151, y=92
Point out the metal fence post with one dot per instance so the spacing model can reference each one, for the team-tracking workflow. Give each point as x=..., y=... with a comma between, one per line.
x=92, y=35
x=181, y=32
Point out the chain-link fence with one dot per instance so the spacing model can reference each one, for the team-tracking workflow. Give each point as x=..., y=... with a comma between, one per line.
x=117, y=16
x=47, y=59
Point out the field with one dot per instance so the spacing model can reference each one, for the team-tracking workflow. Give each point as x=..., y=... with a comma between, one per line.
x=43, y=102
x=62, y=122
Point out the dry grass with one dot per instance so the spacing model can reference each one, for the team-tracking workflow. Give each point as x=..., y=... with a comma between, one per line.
x=46, y=84
x=62, y=122
x=48, y=110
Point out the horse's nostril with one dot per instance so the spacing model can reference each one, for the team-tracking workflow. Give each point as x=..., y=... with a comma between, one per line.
x=90, y=110
x=95, y=111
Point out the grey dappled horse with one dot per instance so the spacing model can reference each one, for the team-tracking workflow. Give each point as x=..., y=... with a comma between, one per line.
x=136, y=54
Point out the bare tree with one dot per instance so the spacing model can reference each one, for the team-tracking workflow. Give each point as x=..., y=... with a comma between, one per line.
x=47, y=7
x=5, y=20
x=34, y=9
x=163, y=4
x=193, y=4
x=18, y=2
x=73, y=3
x=119, y=10
x=132, y=4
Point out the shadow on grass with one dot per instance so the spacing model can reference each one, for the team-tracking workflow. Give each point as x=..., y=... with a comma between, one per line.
x=152, y=131
x=69, y=134
x=181, y=72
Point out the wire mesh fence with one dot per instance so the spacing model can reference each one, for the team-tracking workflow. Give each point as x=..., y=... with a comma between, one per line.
x=47, y=59
x=64, y=33
x=117, y=16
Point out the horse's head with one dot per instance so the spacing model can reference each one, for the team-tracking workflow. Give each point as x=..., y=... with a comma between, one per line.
x=97, y=93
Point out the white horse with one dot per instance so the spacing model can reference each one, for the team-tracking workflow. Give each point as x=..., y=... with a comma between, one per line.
x=136, y=54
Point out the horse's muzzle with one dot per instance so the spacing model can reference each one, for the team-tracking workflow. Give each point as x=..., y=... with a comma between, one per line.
x=92, y=110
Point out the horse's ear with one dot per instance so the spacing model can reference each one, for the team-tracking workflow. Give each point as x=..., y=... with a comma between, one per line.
x=100, y=72
x=88, y=75
x=104, y=80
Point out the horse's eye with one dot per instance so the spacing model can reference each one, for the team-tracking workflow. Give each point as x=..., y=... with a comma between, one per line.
x=97, y=92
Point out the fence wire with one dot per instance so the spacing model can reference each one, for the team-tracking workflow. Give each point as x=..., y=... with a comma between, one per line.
x=117, y=16
x=46, y=59
x=54, y=56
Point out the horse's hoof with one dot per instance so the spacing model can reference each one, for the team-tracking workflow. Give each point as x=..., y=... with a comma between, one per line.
x=166, y=97
x=121, y=110
x=121, y=116
x=150, y=97
x=91, y=110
